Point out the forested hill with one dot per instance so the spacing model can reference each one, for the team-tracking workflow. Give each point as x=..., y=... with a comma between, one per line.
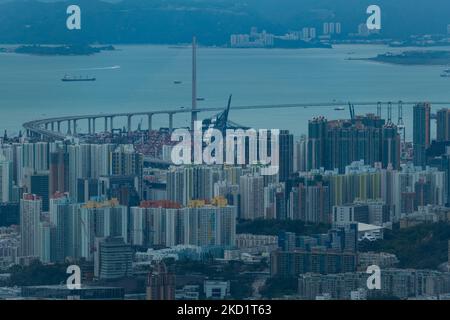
x=175, y=21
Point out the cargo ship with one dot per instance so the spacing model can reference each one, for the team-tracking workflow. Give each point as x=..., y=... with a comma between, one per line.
x=77, y=79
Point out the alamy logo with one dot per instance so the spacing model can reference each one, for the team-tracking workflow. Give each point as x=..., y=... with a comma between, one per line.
x=241, y=147
x=74, y=20
x=374, y=280
x=374, y=21
x=74, y=280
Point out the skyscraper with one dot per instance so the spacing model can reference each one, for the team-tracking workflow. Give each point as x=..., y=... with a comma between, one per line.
x=286, y=155
x=423, y=193
x=87, y=189
x=175, y=185
x=309, y=201
x=443, y=125
x=165, y=223
x=126, y=161
x=39, y=185
x=35, y=156
x=317, y=135
x=123, y=188
x=190, y=183
x=421, y=132
x=9, y=214
x=30, y=214
x=60, y=219
x=275, y=201
x=46, y=241
x=252, y=192
x=445, y=166
x=78, y=166
x=353, y=140
x=101, y=219
x=300, y=154
x=95, y=160
x=336, y=144
x=214, y=225
x=429, y=185
x=140, y=227
x=6, y=180
x=390, y=147
x=59, y=172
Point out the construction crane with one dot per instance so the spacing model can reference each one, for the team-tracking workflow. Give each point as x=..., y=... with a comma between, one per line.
x=400, y=124
x=221, y=121
x=218, y=121
x=389, y=119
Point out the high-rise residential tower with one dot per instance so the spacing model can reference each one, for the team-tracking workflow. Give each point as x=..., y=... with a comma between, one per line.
x=6, y=181
x=443, y=125
x=421, y=132
x=30, y=214
x=252, y=197
x=286, y=155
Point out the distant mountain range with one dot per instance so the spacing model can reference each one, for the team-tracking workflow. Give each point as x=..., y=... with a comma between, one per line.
x=175, y=21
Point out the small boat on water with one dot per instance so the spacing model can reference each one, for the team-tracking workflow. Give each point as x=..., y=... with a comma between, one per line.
x=77, y=79
x=339, y=109
x=445, y=73
x=178, y=82
x=201, y=99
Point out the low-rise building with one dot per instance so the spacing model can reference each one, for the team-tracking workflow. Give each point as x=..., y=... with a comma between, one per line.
x=217, y=290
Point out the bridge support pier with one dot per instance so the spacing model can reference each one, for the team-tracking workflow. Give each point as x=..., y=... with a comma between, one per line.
x=59, y=126
x=149, y=119
x=74, y=127
x=52, y=126
x=111, y=122
x=93, y=125
x=69, y=131
x=89, y=125
x=170, y=122
x=129, y=123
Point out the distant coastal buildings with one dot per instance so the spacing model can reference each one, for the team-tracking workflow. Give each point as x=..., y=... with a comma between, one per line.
x=306, y=37
x=328, y=33
x=331, y=28
x=254, y=39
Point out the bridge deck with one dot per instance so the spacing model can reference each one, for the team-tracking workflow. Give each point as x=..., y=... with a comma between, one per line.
x=36, y=126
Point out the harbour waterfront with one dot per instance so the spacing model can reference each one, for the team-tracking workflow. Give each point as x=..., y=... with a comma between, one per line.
x=142, y=78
